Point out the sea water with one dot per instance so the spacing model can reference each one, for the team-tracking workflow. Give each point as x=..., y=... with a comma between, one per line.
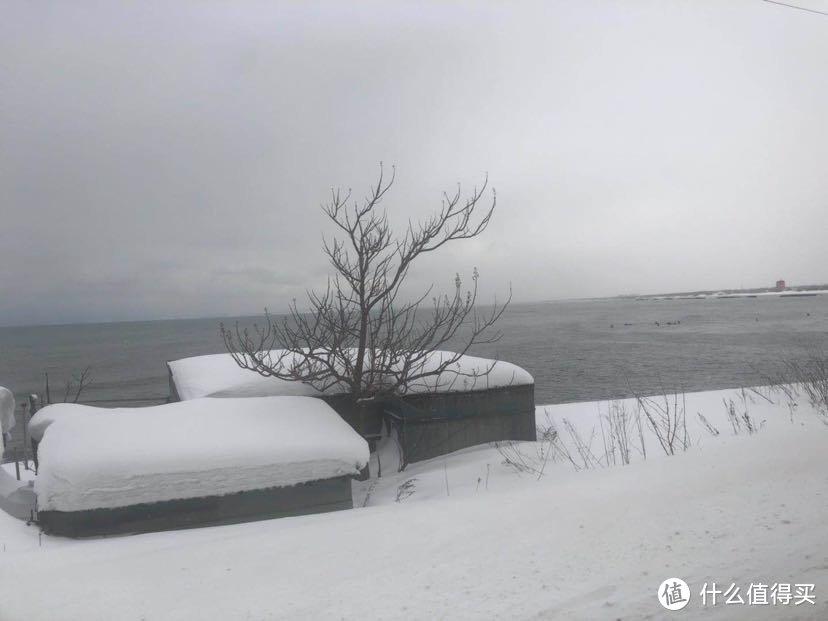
x=576, y=350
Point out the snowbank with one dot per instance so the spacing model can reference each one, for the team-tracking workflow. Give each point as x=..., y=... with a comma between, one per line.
x=99, y=458
x=16, y=497
x=218, y=375
x=589, y=433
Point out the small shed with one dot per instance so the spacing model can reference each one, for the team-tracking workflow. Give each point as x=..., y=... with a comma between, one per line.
x=474, y=401
x=195, y=463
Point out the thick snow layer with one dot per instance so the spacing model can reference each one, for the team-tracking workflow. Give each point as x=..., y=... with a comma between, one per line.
x=63, y=411
x=477, y=540
x=204, y=447
x=6, y=410
x=218, y=375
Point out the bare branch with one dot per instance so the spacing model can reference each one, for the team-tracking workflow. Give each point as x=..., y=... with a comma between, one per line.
x=356, y=336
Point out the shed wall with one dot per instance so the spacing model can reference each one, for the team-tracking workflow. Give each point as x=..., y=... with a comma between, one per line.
x=275, y=502
x=463, y=419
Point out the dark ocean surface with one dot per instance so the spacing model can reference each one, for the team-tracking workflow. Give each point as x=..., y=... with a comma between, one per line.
x=576, y=350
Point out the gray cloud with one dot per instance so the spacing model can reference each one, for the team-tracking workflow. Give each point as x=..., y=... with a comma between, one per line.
x=168, y=160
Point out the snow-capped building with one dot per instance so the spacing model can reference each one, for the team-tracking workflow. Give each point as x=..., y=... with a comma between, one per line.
x=472, y=402
x=195, y=463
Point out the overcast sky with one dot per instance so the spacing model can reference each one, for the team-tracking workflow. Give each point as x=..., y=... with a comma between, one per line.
x=168, y=159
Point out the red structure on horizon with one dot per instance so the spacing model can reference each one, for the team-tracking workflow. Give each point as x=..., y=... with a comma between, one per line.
x=780, y=285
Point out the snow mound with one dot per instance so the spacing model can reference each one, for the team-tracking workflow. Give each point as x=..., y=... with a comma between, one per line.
x=218, y=375
x=16, y=497
x=101, y=458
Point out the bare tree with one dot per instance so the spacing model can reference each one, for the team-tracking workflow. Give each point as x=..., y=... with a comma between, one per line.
x=357, y=336
x=75, y=385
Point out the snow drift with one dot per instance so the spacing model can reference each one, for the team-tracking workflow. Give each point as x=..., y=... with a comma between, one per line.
x=591, y=544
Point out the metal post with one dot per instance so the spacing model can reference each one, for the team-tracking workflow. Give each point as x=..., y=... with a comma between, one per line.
x=34, y=406
x=25, y=407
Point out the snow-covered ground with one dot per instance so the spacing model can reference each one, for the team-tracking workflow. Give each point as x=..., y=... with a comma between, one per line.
x=26, y=473
x=482, y=534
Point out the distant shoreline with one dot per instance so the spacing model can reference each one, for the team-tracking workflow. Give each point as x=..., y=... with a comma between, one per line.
x=787, y=292
x=798, y=291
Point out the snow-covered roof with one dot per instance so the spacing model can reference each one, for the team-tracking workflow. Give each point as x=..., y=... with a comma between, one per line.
x=104, y=458
x=218, y=375
x=63, y=411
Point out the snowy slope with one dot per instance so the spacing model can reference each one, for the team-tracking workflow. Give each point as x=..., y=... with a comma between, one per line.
x=592, y=544
x=218, y=375
x=99, y=458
